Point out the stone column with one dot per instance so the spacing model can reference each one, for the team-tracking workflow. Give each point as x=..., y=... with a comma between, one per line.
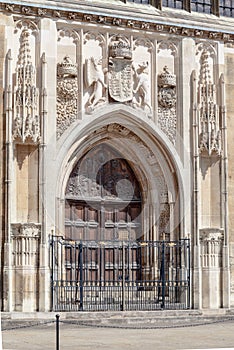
x=48, y=52
x=211, y=241
x=25, y=263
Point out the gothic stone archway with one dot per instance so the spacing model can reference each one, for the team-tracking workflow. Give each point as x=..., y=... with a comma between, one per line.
x=106, y=261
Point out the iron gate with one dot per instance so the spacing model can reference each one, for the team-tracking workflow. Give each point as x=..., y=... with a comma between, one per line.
x=117, y=275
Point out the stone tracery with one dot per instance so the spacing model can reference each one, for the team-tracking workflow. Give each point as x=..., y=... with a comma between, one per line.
x=26, y=122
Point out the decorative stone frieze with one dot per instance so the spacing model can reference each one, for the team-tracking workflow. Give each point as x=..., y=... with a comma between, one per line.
x=67, y=14
x=67, y=94
x=26, y=118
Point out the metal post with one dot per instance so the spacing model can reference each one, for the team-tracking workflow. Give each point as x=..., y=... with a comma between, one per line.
x=123, y=278
x=57, y=332
x=81, y=276
x=163, y=275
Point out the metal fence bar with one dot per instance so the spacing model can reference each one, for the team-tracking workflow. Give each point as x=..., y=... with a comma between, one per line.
x=114, y=275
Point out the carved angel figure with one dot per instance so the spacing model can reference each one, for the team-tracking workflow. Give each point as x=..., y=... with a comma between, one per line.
x=143, y=85
x=95, y=77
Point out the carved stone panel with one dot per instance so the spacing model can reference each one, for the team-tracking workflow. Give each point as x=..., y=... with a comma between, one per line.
x=167, y=103
x=67, y=94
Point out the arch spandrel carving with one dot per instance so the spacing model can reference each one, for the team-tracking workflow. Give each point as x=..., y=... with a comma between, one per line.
x=70, y=33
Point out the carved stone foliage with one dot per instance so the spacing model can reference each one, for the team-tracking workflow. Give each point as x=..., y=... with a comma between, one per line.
x=67, y=94
x=209, y=128
x=120, y=69
x=211, y=241
x=26, y=119
x=25, y=244
x=167, y=103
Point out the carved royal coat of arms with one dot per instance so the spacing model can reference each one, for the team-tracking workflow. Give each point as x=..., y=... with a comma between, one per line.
x=120, y=70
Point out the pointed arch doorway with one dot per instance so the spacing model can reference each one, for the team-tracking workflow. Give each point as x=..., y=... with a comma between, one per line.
x=105, y=261
x=103, y=198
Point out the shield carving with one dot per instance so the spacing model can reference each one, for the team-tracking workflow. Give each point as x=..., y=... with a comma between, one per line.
x=120, y=79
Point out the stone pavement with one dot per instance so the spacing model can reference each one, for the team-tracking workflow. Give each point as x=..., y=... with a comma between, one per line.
x=77, y=337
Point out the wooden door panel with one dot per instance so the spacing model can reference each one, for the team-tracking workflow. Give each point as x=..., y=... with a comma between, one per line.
x=103, y=203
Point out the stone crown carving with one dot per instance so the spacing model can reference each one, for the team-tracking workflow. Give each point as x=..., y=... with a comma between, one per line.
x=120, y=49
x=166, y=78
x=66, y=68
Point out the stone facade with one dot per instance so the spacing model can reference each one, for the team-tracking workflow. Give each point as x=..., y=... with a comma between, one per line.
x=158, y=89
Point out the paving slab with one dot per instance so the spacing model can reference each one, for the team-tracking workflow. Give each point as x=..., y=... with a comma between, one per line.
x=218, y=335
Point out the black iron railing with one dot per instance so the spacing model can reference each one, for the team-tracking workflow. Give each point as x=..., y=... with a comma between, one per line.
x=114, y=275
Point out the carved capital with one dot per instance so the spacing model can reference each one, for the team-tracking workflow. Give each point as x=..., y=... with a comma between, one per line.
x=30, y=230
x=209, y=235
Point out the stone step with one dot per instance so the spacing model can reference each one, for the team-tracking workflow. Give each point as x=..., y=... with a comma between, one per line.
x=131, y=319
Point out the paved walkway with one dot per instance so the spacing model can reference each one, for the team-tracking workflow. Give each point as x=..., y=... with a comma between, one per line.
x=73, y=337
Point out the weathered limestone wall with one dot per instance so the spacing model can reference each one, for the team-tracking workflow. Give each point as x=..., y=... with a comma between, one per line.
x=86, y=81
x=229, y=73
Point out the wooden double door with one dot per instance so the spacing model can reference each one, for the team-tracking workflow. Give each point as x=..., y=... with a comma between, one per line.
x=103, y=204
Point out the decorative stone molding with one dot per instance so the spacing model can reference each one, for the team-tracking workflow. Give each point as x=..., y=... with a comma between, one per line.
x=145, y=43
x=95, y=36
x=26, y=24
x=26, y=119
x=167, y=103
x=168, y=45
x=122, y=131
x=67, y=94
x=206, y=46
x=66, y=32
x=19, y=9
